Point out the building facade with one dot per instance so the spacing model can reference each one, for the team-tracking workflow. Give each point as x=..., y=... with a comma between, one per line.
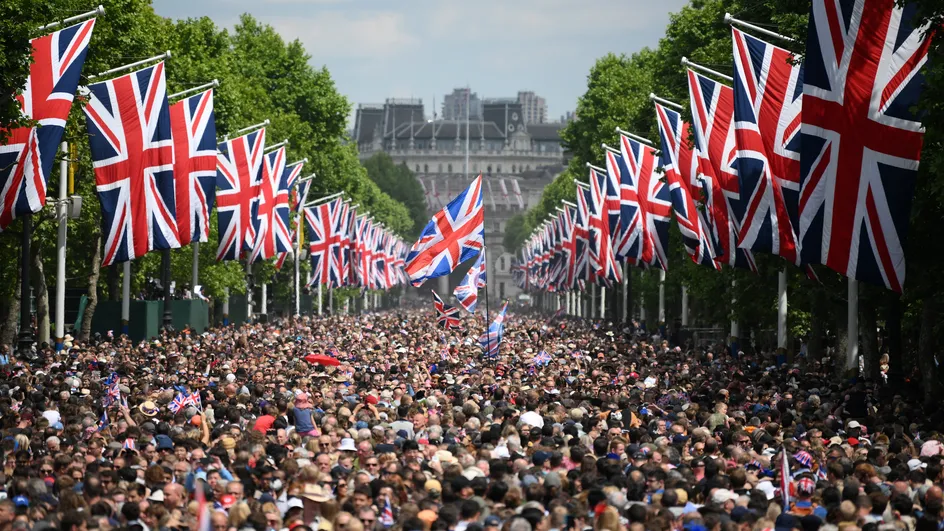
x=533, y=107
x=453, y=106
x=511, y=155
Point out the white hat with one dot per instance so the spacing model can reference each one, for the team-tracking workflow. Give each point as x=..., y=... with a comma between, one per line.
x=347, y=445
x=721, y=496
x=156, y=496
x=915, y=464
x=853, y=424
x=230, y=377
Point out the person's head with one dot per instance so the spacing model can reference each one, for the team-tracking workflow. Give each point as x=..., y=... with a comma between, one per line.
x=173, y=495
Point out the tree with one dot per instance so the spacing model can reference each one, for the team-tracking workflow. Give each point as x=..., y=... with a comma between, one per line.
x=400, y=183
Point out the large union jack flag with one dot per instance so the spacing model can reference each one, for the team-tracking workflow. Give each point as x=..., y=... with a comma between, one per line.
x=447, y=316
x=678, y=162
x=239, y=165
x=602, y=257
x=27, y=157
x=648, y=201
x=861, y=140
x=712, y=121
x=128, y=123
x=323, y=221
x=570, y=247
x=193, y=126
x=768, y=94
x=582, y=236
x=467, y=292
x=455, y=234
x=289, y=182
x=271, y=222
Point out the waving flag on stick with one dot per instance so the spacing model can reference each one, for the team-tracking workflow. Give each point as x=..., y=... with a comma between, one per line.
x=491, y=339
x=455, y=234
x=447, y=316
x=467, y=292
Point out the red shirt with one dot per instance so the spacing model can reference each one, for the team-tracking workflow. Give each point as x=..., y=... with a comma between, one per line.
x=263, y=423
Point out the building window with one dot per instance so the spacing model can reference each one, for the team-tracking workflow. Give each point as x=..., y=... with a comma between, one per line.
x=489, y=169
x=498, y=169
x=501, y=264
x=450, y=168
x=417, y=168
x=501, y=290
x=514, y=168
x=529, y=167
x=425, y=168
x=440, y=167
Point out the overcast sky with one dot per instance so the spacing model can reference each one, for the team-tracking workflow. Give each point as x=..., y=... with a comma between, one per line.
x=377, y=49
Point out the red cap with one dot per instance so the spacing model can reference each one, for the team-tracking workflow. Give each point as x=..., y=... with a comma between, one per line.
x=372, y=400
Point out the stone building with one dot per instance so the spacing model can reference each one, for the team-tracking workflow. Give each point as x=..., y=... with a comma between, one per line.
x=510, y=154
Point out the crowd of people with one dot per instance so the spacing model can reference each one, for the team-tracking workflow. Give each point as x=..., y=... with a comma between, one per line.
x=383, y=421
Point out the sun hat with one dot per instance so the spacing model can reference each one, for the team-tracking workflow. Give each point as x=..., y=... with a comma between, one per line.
x=315, y=493
x=347, y=445
x=149, y=408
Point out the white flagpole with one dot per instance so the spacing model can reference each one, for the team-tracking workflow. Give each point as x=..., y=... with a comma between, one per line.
x=193, y=90
x=666, y=102
x=602, y=302
x=225, y=306
x=782, y=309
x=62, y=212
x=320, y=310
x=706, y=70
x=195, y=267
x=684, y=305
x=129, y=66
x=98, y=11
x=735, y=326
x=126, y=296
x=661, y=297
x=626, y=317
x=852, y=332
x=735, y=22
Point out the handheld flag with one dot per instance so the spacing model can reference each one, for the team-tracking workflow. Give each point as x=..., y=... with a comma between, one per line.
x=491, y=340
x=467, y=292
x=447, y=316
x=455, y=234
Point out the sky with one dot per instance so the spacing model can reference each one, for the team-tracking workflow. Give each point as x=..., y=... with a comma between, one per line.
x=378, y=49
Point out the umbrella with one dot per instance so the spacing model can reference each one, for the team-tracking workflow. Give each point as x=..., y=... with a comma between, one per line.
x=321, y=359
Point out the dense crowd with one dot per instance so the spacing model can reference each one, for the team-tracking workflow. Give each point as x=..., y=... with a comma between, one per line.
x=573, y=425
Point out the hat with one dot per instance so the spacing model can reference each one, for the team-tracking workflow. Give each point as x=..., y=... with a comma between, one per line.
x=149, y=408
x=156, y=496
x=347, y=445
x=227, y=501
x=444, y=456
x=786, y=522
x=294, y=502
x=164, y=442
x=853, y=424
x=806, y=486
x=835, y=440
x=640, y=455
x=228, y=443
x=433, y=487
x=915, y=464
x=721, y=496
x=932, y=448
x=315, y=493
x=493, y=521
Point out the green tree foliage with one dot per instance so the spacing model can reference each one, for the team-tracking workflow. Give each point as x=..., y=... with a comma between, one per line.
x=400, y=183
x=17, y=26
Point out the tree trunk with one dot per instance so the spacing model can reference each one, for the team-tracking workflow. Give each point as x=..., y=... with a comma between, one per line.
x=42, y=296
x=10, y=324
x=819, y=315
x=893, y=335
x=92, y=290
x=868, y=321
x=931, y=384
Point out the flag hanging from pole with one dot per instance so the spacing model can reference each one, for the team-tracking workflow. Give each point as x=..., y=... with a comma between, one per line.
x=27, y=157
x=193, y=125
x=128, y=122
x=271, y=216
x=491, y=340
x=238, y=166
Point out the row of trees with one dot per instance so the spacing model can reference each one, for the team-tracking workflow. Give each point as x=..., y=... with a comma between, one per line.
x=617, y=95
x=261, y=76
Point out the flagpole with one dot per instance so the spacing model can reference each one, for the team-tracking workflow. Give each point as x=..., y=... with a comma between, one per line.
x=195, y=267
x=852, y=332
x=100, y=10
x=165, y=281
x=129, y=66
x=125, y=296
x=62, y=212
x=25, y=338
x=782, y=309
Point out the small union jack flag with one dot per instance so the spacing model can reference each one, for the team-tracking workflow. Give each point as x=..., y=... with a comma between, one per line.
x=455, y=234
x=491, y=339
x=193, y=124
x=179, y=402
x=239, y=166
x=129, y=444
x=467, y=292
x=128, y=122
x=447, y=316
x=861, y=139
x=27, y=158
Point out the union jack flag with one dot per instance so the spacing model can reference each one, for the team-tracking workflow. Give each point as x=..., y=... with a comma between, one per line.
x=195, y=400
x=179, y=402
x=361, y=259
x=467, y=292
x=103, y=421
x=323, y=221
x=27, y=157
x=447, y=316
x=570, y=246
x=271, y=222
x=455, y=234
x=649, y=203
x=582, y=235
x=491, y=340
x=128, y=122
x=129, y=444
x=712, y=112
x=861, y=140
x=678, y=163
x=626, y=234
x=193, y=125
x=343, y=250
x=768, y=94
x=239, y=165
x=300, y=193
x=601, y=246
